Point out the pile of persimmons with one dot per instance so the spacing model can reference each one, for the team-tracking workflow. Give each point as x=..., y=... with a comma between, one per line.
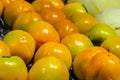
x=51, y=40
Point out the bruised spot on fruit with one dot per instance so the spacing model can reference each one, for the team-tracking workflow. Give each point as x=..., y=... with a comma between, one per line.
x=108, y=54
x=108, y=50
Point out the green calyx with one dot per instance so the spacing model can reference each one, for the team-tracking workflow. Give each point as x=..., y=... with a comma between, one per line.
x=6, y=56
x=96, y=41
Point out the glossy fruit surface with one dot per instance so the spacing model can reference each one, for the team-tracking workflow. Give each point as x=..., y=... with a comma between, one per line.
x=12, y=68
x=49, y=68
x=58, y=50
x=64, y=31
x=83, y=58
x=40, y=4
x=12, y=11
x=101, y=67
x=112, y=44
x=4, y=49
x=42, y=32
x=76, y=43
x=24, y=19
x=83, y=21
x=73, y=8
x=65, y=27
x=52, y=15
x=21, y=44
x=100, y=32
x=7, y=2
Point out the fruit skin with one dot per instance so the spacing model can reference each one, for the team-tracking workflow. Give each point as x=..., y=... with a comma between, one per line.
x=13, y=68
x=83, y=58
x=42, y=32
x=76, y=43
x=103, y=67
x=73, y=8
x=24, y=19
x=52, y=15
x=21, y=44
x=1, y=8
x=100, y=32
x=65, y=27
x=49, y=68
x=12, y=11
x=41, y=4
x=56, y=49
x=4, y=49
x=7, y=2
x=112, y=44
x=83, y=21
